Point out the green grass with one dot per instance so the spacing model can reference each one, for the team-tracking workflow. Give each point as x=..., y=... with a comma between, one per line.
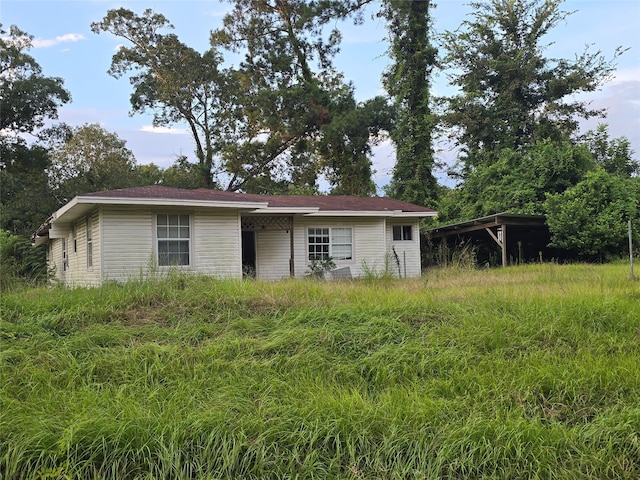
x=524, y=372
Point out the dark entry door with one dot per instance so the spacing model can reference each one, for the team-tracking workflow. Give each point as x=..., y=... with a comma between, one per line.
x=248, y=253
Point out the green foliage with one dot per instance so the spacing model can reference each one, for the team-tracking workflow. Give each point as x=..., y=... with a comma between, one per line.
x=345, y=143
x=591, y=217
x=27, y=98
x=408, y=81
x=25, y=198
x=172, y=80
x=527, y=372
x=272, y=122
x=21, y=264
x=319, y=267
x=90, y=159
x=517, y=181
x=615, y=155
x=511, y=94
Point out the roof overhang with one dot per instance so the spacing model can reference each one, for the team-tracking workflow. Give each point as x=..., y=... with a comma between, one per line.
x=286, y=211
x=497, y=220
x=80, y=205
x=371, y=213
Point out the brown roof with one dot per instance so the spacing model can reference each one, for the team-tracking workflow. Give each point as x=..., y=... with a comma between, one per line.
x=323, y=202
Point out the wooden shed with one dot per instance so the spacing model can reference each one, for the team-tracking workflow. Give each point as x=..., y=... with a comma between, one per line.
x=502, y=238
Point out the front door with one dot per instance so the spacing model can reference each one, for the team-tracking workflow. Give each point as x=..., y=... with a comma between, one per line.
x=248, y=254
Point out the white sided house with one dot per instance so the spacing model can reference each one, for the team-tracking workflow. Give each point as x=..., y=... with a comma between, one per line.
x=132, y=233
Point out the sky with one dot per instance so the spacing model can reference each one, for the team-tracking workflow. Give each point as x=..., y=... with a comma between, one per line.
x=65, y=47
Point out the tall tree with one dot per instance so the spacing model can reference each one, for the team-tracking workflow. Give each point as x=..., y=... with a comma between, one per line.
x=408, y=81
x=171, y=79
x=27, y=99
x=257, y=126
x=91, y=159
x=296, y=112
x=511, y=94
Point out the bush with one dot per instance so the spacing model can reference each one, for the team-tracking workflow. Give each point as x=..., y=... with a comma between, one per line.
x=20, y=262
x=591, y=218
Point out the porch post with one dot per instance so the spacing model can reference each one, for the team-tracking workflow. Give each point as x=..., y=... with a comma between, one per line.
x=504, y=244
x=292, y=272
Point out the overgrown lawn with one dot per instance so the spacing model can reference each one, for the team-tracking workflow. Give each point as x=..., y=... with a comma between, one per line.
x=524, y=372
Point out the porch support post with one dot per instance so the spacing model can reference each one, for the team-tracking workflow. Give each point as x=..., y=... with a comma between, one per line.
x=292, y=271
x=502, y=244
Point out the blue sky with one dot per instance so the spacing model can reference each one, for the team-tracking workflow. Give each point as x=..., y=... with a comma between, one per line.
x=65, y=47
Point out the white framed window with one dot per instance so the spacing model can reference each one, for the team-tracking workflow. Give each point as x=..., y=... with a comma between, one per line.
x=89, y=243
x=402, y=232
x=173, y=232
x=324, y=242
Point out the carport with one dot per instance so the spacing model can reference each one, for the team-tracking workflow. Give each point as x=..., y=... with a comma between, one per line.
x=518, y=238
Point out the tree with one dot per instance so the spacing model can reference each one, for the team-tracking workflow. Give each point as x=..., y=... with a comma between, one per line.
x=511, y=95
x=182, y=174
x=408, y=82
x=614, y=155
x=256, y=126
x=171, y=79
x=27, y=100
x=296, y=115
x=591, y=217
x=25, y=198
x=518, y=181
x=91, y=159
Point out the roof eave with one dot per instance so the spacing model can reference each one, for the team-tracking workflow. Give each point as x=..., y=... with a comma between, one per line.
x=371, y=213
x=78, y=205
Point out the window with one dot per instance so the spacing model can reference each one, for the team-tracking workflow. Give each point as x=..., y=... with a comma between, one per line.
x=402, y=232
x=89, y=244
x=330, y=242
x=65, y=260
x=174, y=239
x=75, y=240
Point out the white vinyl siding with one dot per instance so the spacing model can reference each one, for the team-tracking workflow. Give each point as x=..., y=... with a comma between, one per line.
x=272, y=254
x=127, y=243
x=406, y=252
x=368, y=242
x=217, y=243
x=70, y=264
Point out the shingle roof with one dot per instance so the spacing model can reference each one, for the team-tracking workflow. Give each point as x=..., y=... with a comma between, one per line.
x=323, y=202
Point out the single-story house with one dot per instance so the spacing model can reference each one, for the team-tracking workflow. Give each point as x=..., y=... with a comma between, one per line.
x=131, y=233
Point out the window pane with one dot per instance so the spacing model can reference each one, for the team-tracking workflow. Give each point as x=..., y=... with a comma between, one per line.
x=406, y=232
x=342, y=252
x=397, y=233
x=173, y=219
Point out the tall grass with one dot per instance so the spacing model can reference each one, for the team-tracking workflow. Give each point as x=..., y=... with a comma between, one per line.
x=527, y=372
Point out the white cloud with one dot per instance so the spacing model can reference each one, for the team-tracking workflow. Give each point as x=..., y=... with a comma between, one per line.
x=164, y=130
x=50, y=42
